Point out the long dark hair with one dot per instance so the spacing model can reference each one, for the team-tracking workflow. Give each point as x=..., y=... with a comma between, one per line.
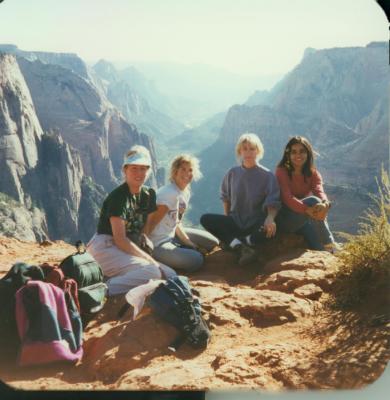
x=308, y=168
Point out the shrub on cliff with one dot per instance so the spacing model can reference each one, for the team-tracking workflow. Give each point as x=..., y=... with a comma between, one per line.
x=365, y=274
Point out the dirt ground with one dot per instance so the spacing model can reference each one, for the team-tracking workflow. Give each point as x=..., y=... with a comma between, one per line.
x=270, y=330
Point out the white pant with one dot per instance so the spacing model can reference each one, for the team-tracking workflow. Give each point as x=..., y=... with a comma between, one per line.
x=124, y=270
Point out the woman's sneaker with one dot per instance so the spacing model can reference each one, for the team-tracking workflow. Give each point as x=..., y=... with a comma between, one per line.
x=247, y=255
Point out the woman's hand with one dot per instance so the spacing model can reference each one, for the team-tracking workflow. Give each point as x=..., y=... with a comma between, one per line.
x=269, y=226
x=318, y=211
x=146, y=244
x=124, y=243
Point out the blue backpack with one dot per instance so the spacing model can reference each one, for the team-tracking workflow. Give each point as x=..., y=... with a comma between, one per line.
x=173, y=302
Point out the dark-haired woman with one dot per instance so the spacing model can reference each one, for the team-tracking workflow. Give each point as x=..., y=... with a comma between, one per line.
x=305, y=204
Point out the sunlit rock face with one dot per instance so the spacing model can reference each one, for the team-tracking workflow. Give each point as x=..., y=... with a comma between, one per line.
x=35, y=176
x=20, y=130
x=337, y=98
x=72, y=105
x=20, y=137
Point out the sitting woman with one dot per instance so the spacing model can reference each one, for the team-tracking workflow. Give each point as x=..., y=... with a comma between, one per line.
x=305, y=204
x=117, y=244
x=250, y=196
x=178, y=247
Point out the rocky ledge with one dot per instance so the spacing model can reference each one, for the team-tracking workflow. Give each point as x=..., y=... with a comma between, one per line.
x=270, y=323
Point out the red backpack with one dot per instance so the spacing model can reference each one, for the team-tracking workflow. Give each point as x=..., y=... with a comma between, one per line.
x=45, y=325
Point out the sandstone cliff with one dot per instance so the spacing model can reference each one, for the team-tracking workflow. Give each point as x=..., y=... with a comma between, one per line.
x=67, y=60
x=20, y=130
x=41, y=175
x=66, y=172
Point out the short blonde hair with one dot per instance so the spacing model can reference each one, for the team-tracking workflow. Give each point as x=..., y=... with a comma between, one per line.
x=253, y=140
x=181, y=159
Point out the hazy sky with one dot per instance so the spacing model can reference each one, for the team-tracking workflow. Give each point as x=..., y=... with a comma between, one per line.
x=244, y=36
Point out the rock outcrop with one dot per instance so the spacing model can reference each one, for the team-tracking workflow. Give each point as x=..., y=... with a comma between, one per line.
x=41, y=172
x=26, y=222
x=20, y=130
x=271, y=330
x=67, y=60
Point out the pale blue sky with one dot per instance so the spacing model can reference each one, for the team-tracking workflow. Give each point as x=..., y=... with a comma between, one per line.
x=246, y=36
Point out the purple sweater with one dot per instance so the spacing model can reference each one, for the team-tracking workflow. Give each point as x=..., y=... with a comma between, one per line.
x=249, y=191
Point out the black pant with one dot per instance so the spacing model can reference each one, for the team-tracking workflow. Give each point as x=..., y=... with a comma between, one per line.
x=225, y=229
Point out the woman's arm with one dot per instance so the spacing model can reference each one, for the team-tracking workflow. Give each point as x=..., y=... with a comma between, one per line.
x=226, y=207
x=183, y=237
x=123, y=243
x=154, y=218
x=317, y=186
x=225, y=193
x=269, y=223
x=287, y=197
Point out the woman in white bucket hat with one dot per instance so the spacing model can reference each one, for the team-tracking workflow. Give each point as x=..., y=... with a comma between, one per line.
x=117, y=244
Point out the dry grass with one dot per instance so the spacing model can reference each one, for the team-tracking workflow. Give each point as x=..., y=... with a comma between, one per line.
x=365, y=274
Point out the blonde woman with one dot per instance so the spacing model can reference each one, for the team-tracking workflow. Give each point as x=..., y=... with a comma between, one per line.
x=250, y=197
x=174, y=245
x=117, y=246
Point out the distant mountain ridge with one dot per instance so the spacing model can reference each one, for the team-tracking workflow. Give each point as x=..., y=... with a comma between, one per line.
x=198, y=91
x=137, y=100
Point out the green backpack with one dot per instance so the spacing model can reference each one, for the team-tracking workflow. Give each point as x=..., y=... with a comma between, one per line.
x=88, y=274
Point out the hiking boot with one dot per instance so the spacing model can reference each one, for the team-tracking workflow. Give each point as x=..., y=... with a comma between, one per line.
x=247, y=256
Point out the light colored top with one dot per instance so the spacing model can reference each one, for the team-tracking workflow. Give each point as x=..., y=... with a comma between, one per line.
x=177, y=201
x=249, y=191
x=296, y=188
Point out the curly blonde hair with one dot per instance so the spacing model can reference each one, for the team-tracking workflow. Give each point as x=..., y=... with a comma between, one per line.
x=181, y=159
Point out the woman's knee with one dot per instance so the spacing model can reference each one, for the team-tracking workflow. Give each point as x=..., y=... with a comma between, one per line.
x=196, y=262
x=190, y=262
x=206, y=220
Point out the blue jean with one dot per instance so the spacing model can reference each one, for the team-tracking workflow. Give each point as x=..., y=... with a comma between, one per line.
x=171, y=253
x=316, y=233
